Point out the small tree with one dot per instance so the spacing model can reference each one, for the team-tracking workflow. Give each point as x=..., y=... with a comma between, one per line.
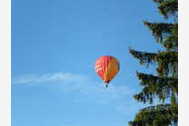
x=164, y=84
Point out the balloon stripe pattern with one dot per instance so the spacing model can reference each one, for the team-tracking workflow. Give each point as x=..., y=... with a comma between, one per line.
x=107, y=67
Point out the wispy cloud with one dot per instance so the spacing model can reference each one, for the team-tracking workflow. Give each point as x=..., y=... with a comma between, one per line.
x=84, y=85
x=48, y=77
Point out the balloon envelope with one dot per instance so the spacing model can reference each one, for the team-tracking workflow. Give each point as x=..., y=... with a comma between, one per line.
x=107, y=67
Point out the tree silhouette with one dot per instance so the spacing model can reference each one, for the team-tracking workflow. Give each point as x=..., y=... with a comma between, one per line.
x=164, y=84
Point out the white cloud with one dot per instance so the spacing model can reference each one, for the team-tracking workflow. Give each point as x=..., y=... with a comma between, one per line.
x=48, y=77
x=84, y=85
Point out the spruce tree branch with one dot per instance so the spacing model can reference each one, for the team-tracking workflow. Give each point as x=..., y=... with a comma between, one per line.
x=160, y=30
x=167, y=7
x=154, y=86
x=166, y=61
x=160, y=115
x=144, y=57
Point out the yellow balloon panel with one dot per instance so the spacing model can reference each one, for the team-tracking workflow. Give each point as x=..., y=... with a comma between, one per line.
x=111, y=70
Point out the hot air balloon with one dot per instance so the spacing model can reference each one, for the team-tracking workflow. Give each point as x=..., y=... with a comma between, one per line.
x=107, y=67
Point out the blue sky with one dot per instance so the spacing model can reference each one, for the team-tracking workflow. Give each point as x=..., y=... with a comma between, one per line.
x=55, y=44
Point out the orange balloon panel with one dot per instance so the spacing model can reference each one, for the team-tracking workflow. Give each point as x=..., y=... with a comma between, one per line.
x=107, y=67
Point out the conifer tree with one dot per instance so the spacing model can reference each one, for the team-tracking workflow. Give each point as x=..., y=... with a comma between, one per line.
x=163, y=85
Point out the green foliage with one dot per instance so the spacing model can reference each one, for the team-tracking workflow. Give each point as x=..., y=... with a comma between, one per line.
x=160, y=30
x=156, y=87
x=165, y=33
x=145, y=58
x=167, y=7
x=159, y=115
x=164, y=85
x=166, y=61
